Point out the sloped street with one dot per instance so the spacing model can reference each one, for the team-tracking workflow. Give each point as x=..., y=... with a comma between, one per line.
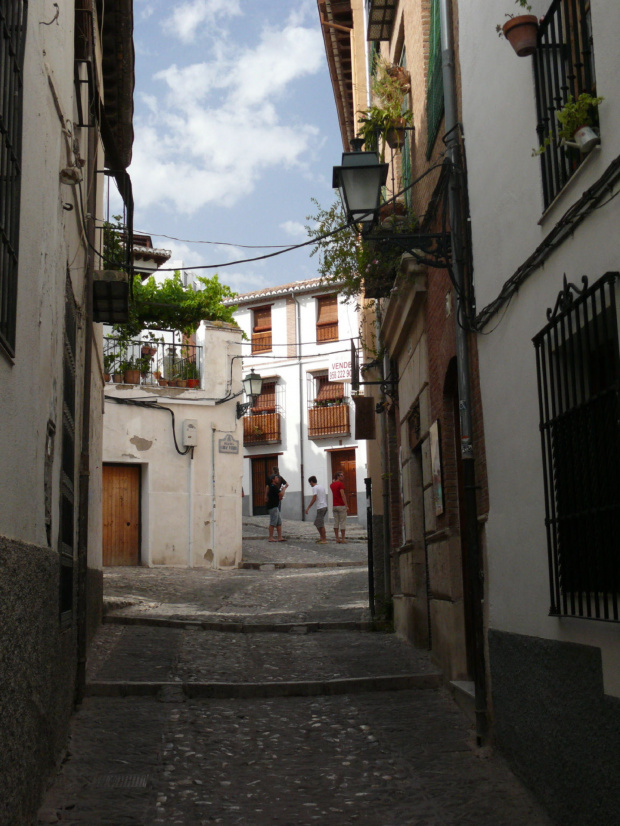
x=261, y=696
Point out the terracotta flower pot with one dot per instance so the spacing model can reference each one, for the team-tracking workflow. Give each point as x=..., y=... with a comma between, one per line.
x=131, y=377
x=391, y=208
x=106, y=377
x=193, y=382
x=117, y=378
x=181, y=382
x=522, y=34
x=163, y=382
x=395, y=136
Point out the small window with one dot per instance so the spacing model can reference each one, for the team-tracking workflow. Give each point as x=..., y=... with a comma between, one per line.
x=327, y=318
x=261, y=330
x=12, y=40
x=578, y=367
x=266, y=402
x=563, y=66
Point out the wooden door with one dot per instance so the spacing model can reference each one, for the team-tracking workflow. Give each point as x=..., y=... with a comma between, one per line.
x=121, y=514
x=344, y=460
x=261, y=469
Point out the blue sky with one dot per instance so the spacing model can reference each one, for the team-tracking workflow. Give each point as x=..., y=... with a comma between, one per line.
x=235, y=130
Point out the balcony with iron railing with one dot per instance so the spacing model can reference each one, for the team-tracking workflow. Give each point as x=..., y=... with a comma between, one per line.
x=163, y=363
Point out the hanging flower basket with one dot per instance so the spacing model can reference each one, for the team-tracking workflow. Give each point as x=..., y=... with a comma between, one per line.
x=522, y=34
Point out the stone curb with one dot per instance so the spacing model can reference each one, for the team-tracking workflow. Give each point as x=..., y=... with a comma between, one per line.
x=277, y=566
x=241, y=627
x=224, y=691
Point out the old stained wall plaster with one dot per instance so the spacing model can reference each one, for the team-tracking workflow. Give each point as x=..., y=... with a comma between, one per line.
x=130, y=455
x=141, y=444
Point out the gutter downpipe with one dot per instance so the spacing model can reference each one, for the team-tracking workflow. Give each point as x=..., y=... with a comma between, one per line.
x=476, y=568
x=301, y=405
x=385, y=485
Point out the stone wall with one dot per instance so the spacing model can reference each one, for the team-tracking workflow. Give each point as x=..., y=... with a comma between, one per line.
x=37, y=676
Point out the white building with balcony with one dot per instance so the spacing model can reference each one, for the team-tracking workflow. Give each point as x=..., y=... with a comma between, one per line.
x=303, y=421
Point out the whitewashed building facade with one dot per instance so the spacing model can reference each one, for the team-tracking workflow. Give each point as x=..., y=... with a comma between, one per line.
x=303, y=423
x=550, y=373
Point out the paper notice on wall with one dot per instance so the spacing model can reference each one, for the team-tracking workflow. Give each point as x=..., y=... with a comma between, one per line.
x=339, y=368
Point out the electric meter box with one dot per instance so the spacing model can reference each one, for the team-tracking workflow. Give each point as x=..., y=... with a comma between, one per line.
x=190, y=432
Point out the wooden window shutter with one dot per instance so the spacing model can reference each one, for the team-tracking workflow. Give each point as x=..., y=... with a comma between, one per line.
x=327, y=318
x=267, y=398
x=262, y=319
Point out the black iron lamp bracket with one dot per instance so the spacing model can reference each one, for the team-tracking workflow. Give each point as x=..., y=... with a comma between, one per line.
x=242, y=408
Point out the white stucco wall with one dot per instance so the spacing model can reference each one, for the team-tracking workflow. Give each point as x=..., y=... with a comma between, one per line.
x=50, y=244
x=190, y=506
x=507, y=224
x=314, y=358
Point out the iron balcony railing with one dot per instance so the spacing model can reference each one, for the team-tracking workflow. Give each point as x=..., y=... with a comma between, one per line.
x=563, y=66
x=173, y=364
x=578, y=366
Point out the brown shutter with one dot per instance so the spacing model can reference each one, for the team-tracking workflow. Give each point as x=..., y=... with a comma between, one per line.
x=262, y=319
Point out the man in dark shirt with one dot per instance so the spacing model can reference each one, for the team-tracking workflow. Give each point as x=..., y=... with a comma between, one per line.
x=283, y=483
x=273, y=495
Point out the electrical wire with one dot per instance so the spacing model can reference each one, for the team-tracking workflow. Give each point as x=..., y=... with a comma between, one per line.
x=258, y=257
x=152, y=406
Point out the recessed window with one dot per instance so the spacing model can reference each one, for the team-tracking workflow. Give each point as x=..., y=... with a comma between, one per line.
x=327, y=318
x=261, y=329
x=578, y=368
x=563, y=66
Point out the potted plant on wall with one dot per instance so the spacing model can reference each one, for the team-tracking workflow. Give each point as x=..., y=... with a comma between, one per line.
x=385, y=121
x=131, y=371
x=576, y=119
x=520, y=30
x=191, y=374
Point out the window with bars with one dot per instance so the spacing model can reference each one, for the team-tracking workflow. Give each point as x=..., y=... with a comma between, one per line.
x=578, y=367
x=261, y=329
x=12, y=42
x=327, y=318
x=563, y=66
x=262, y=423
x=67, y=484
x=434, y=80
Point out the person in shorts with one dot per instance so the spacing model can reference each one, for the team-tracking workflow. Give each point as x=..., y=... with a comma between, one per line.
x=340, y=506
x=283, y=483
x=272, y=500
x=319, y=495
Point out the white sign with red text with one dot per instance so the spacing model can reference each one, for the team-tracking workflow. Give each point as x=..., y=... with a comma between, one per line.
x=339, y=368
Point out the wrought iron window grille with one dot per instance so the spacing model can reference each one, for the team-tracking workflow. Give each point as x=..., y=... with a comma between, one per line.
x=13, y=15
x=563, y=66
x=578, y=371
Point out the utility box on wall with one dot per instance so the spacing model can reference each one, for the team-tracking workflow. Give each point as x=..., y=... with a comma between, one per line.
x=190, y=432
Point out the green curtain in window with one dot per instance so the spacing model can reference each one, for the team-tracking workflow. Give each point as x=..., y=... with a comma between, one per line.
x=434, y=81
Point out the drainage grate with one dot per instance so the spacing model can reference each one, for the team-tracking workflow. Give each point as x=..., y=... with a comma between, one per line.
x=121, y=781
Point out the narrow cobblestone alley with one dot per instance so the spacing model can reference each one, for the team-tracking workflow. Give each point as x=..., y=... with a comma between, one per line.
x=259, y=696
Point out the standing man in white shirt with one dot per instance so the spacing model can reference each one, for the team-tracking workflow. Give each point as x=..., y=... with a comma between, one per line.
x=319, y=496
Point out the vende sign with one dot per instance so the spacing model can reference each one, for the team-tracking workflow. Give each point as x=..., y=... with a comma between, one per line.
x=339, y=368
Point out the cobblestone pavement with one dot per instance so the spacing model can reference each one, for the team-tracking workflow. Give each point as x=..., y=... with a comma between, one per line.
x=286, y=582
x=352, y=754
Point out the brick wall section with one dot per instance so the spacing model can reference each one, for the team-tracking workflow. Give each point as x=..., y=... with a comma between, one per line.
x=291, y=327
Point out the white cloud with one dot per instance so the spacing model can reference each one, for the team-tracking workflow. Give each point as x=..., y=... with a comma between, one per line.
x=222, y=123
x=189, y=19
x=294, y=228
